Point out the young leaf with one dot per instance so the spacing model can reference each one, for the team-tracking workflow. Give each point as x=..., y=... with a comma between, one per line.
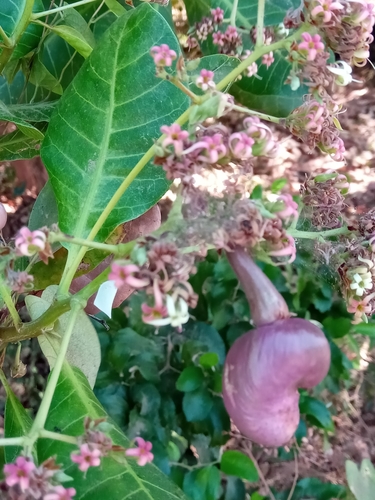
x=114, y=479
x=362, y=481
x=115, y=7
x=106, y=121
x=190, y=379
x=41, y=77
x=74, y=38
x=236, y=463
x=10, y=115
x=31, y=37
x=84, y=347
x=18, y=146
x=17, y=421
x=269, y=94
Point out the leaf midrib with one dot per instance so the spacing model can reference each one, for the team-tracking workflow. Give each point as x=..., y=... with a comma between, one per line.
x=104, y=147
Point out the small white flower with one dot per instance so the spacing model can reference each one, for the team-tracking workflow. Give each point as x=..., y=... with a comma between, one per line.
x=178, y=313
x=343, y=72
x=360, y=283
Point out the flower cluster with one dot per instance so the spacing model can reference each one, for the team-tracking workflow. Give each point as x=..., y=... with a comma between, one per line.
x=247, y=227
x=324, y=200
x=316, y=124
x=346, y=26
x=165, y=280
x=24, y=480
x=212, y=147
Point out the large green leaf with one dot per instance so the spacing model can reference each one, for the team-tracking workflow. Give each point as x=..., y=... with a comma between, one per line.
x=72, y=402
x=17, y=421
x=362, y=481
x=106, y=121
x=275, y=10
x=269, y=94
x=11, y=14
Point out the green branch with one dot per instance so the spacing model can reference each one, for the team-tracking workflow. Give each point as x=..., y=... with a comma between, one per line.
x=45, y=13
x=260, y=23
x=57, y=436
x=233, y=14
x=41, y=417
x=4, y=292
x=16, y=35
x=119, y=249
x=319, y=235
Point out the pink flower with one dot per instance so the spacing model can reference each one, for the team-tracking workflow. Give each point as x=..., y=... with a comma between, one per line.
x=360, y=308
x=241, y=145
x=311, y=45
x=122, y=274
x=158, y=311
x=191, y=42
x=215, y=149
x=217, y=15
x=290, y=249
x=175, y=136
x=218, y=38
x=20, y=281
x=163, y=55
x=338, y=150
x=231, y=34
x=268, y=59
x=315, y=118
x=86, y=457
x=60, y=493
x=290, y=207
x=30, y=242
x=143, y=452
x=206, y=80
x=19, y=473
x=325, y=9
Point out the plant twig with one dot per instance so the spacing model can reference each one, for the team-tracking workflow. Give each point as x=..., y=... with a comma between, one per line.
x=233, y=14
x=260, y=23
x=4, y=292
x=251, y=112
x=57, y=436
x=45, y=13
x=261, y=476
x=41, y=417
x=290, y=496
x=318, y=235
x=16, y=441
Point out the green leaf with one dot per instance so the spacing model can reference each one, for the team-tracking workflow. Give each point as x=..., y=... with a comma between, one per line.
x=113, y=480
x=235, y=489
x=278, y=184
x=269, y=94
x=31, y=37
x=311, y=487
x=41, y=77
x=115, y=7
x=203, y=484
x=337, y=327
x=109, y=118
x=361, y=481
x=220, y=64
x=206, y=338
x=113, y=398
x=317, y=410
x=275, y=11
x=197, y=405
x=236, y=463
x=73, y=18
x=365, y=329
x=74, y=38
x=16, y=114
x=84, y=348
x=209, y=360
x=196, y=9
x=17, y=421
x=44, y=211
x=148, y=397
x=18, y=146
x=190, y=379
